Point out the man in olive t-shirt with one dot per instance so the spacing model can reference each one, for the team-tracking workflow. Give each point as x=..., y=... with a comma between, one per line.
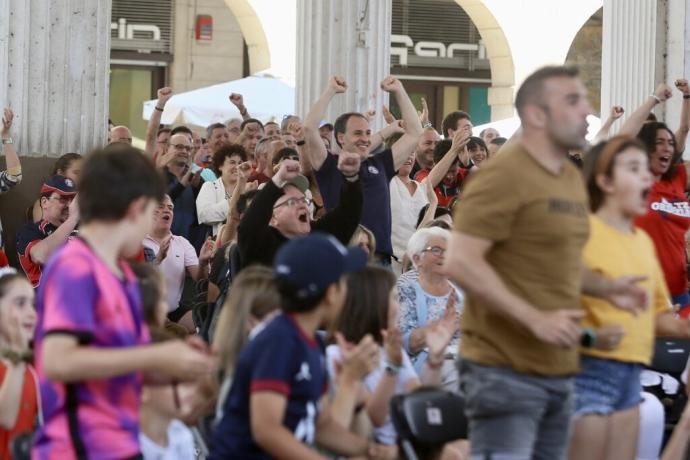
x=517, y=251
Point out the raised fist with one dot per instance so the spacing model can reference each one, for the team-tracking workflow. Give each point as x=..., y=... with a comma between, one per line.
x=163, y=95
x=391, y=84
x=617, y=111
x=237, y=100
x=682, y=85
x=7, y=118
x=337, y=84
x=663, y=92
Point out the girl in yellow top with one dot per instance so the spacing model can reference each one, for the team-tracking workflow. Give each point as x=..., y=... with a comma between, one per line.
x=607, y=391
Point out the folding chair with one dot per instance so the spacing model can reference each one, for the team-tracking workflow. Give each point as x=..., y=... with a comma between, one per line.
x=427, y=419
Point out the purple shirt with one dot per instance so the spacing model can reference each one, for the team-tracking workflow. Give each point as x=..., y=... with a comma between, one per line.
x=80, y=296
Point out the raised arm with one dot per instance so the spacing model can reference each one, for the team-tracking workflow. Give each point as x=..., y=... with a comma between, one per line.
x=684, y=127
x=616, y=112
x=413, y=128
x=40, y=252
x=316, y=151
x=383, y=134
x=238, y=101
x=460, y=139
x=164, y=94
x=634, y=123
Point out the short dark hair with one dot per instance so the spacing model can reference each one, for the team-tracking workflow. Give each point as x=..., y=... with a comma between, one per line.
x=291, y=302
x=227, y=151
x=440, y=212
x=651, y=117
x=366, y=305
x=250, y=120
x=340, y=125
x=64, y=162
x=180, y=129
x=498, y=140
x=441, y=149
x=475, y=142
x=648, y=137
x=211, y=127
x=113, y=178
x=451, y=121
x=285, y=152
x=532, y=88
x=244, y=200
x=163, y=130
x=591, y=167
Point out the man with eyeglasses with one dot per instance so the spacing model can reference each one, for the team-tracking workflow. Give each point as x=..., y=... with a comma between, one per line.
x=121, y=134
x=38, y=240
x=280, y=211
x=183, y=187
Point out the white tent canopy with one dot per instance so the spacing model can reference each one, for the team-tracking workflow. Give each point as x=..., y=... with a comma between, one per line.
x=264, y=96
x=508, y=126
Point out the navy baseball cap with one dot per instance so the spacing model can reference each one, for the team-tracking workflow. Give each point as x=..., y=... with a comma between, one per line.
x=60, y=185
x=312, y=263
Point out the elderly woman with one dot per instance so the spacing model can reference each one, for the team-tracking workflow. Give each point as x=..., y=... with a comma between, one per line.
x=424, y=294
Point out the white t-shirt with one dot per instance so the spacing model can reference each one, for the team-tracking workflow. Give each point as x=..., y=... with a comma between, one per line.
x=385, y=434
x=404, y=214
x=180, y=444
x=181, y=254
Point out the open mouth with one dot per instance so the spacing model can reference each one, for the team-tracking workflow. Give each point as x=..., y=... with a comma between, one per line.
x=363, y=145
x=645, y=194
x=166, y=217
x=303, y=217
x=665, y=160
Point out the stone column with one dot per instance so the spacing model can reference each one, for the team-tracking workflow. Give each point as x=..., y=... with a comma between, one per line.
x=630, y=52
x=347, y=38
x=54, y=73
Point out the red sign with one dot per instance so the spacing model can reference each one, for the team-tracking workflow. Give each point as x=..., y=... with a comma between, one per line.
x=204, y=27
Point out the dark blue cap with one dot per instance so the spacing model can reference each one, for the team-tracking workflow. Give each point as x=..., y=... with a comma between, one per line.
x=312, y=263
x=60, y=185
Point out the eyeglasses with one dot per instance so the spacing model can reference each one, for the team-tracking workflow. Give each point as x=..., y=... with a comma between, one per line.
x=292, y=202
x=435, y=250
x=63, y=200
x=188, y=148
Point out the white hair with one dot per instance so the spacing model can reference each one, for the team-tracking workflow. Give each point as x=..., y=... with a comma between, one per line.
x=420, y=239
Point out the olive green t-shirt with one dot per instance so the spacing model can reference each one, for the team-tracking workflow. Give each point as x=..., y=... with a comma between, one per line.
x=538, y=223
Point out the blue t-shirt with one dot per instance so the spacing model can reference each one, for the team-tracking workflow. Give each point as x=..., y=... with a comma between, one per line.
x=280, y=359
x=375, y=173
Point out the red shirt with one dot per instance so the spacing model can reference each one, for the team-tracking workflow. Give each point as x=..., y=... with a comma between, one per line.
x=26, y=416
x=445, y=193
x=667, y=220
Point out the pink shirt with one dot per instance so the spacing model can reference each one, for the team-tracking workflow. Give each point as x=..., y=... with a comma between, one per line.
x=181, y=254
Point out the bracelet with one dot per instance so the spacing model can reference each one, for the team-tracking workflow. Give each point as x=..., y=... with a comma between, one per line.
x=686, y=96
x=301, y=142
x=159, y=109
x=15, y=357
x=427, y=125
x=392, y=369
x=658, y=99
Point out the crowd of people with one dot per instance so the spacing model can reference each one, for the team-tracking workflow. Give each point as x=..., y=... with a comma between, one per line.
x=265, y=290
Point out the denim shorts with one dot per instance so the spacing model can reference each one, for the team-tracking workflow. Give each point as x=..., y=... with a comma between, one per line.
x=605, y=386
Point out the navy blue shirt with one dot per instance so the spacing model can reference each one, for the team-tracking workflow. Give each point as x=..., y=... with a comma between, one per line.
x=280, y=359
x=375, y=173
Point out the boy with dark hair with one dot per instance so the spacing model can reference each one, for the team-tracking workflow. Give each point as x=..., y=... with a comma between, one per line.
x=92, y=345
x=273, y=406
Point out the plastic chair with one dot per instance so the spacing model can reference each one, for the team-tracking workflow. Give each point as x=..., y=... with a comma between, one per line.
x=428, y=418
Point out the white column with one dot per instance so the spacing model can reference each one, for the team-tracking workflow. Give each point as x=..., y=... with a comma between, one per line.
x=348, y=38
x=54, y=73
x=629, y=53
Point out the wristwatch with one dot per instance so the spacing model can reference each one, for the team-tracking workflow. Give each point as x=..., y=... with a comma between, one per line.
x=392, y=369
x=7, y=141
x=588, y=338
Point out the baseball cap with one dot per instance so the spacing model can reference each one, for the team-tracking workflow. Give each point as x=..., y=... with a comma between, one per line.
x=326, y=123
x=60, y=185
x=312, y=263
x=299, y=181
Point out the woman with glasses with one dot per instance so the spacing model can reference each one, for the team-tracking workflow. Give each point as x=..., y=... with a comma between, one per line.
x=423, y=299
x=212, y=203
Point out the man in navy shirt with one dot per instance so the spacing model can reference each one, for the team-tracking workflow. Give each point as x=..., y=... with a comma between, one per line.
x=352, y=134
x=273, y=409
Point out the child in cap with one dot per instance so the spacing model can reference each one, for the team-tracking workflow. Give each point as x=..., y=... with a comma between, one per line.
x=273, y=409
x=92, y=344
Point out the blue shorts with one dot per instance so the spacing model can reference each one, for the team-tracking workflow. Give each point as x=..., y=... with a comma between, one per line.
x=605, y=386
